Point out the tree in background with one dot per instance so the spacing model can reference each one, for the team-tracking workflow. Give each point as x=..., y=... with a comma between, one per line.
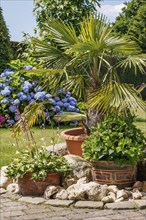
x=5, y=48
x=132, y=22
x=69, y=11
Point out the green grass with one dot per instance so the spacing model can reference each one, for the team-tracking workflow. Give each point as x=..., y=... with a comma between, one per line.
x=8, y=146
x=140, y=122
x=43, y=137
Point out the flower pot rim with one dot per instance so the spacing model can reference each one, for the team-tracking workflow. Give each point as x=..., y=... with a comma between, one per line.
x=75, y=134
x=106, y=162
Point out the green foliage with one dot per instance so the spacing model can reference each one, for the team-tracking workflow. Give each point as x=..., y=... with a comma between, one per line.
x=5, y=48
x=115, y=139
x=39, y=163
x=89, y=65
x=132, y=22
x=69, y=11
x=34, y=159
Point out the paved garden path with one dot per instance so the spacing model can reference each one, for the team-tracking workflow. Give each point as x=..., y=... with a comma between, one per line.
x=14, y=209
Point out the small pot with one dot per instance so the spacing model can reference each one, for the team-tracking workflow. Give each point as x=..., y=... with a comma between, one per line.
x=74, y=138
x=30, y=187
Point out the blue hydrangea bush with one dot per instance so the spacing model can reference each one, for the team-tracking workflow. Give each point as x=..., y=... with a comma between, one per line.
x=17, y=92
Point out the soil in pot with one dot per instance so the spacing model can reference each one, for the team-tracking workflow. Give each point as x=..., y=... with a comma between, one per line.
x=30, y=187
x=110, y=173
x=74, y=139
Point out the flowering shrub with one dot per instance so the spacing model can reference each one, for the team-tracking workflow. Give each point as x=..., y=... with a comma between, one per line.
x=17, y=92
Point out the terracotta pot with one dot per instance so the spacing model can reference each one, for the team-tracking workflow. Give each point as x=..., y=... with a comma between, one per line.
x=110, y=173
x=74, y=138
x=30, y=187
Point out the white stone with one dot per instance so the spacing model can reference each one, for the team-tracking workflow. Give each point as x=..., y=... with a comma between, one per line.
x=120, y=199
x=82, y=180
x=122, y=193
x=86, y=191
x=13, y=188
x=80, y=190
x=61, y=194
x=69, y=182
x=112, y=195
x=107, y=199
x=80, y=168
x=76, y=192
x=113, y=188
x=2, y=191
x=60, y=148
x=103, y=191
x=50, y=191
x=93, y=191
x=4, y=181
x=137, y=194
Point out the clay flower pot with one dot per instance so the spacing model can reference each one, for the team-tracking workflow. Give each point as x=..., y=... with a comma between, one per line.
x=74, y=138
x=110, y=173
x=30, y=187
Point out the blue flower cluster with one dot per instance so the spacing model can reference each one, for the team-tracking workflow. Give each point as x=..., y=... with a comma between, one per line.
x=18, y=96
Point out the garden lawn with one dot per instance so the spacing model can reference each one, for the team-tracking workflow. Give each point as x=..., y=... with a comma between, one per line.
x=140, y=122
x=8, y=147
x=43, y=137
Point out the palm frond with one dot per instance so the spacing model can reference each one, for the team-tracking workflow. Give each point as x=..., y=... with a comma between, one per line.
x=78, y=85
x=122, y=45
x=62, y=33
x=136, y=62
x=31, y=115
x=94, y=29
x=70, y=116
x=117, y=96
x=51, y=55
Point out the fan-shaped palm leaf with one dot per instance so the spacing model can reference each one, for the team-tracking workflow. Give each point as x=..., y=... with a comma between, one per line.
x=117, y=96
x=31, y=115
x=103, y=55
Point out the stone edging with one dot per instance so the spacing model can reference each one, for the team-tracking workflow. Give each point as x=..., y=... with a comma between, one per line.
x=124, y=205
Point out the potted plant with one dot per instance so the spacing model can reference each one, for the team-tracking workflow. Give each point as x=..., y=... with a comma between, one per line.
x=91, y=63
x=35, y=167
x=114, y=148
x=74, y=137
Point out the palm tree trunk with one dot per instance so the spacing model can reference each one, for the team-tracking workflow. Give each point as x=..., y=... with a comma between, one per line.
x=93, y=117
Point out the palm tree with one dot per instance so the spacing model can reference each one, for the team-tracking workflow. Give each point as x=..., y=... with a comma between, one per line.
x=90, y=65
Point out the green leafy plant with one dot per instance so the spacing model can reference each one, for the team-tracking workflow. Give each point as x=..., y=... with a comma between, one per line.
x=115, y=139
x=38, y=162
x=34, y=159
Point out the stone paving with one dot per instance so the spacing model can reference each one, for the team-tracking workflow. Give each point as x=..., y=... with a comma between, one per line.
x=16, y=207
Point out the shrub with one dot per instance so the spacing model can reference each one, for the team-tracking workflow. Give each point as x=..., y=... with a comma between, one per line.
x=115, y=139
x=16, y=92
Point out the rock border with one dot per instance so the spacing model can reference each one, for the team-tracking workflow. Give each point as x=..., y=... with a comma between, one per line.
x=124, y=205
